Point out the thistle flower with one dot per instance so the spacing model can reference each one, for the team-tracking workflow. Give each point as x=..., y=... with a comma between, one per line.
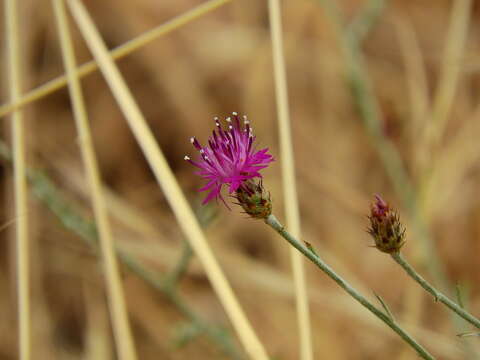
x=231, y=158
x=385, y=227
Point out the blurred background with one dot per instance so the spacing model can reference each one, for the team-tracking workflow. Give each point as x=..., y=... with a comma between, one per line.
x=422, y=61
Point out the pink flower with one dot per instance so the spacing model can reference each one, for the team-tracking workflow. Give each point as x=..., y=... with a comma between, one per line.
x=230, y=158
x=385, y=227
x=380, y=208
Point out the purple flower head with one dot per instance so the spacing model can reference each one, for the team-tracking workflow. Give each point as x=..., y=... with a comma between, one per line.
x=385, y=227
x=380, y=208
x=231, y=157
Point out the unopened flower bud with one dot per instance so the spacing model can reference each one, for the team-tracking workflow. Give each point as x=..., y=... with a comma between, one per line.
x=385, y=227
x=254, y=199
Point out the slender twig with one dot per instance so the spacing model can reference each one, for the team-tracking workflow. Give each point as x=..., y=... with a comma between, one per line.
x=288, y=179
x=275, y=224
x=116, y=54
x=20, y=183
x=366, y=19
x=173, y=193
x=385, y=306
x=434, y=292
x=116, y=298
x=173, y=278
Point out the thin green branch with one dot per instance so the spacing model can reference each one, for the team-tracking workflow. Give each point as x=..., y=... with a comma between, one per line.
x=366, y=19
x=273, y=222
x=384, y=305
x=434, y=292
x=180, y=269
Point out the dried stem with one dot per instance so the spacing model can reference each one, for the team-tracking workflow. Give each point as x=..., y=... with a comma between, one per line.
x=20, y=183
x=434, y=292
x=288, y=179
x=116, y=298
x=390, y=322
x=116, y=54
x=166, y=179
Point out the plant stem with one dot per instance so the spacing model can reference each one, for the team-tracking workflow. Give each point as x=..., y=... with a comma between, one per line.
x=434, y=292
x=181, y=267
x=292, y=211
x=22, y=254
x=275, y=224
x=124, y=342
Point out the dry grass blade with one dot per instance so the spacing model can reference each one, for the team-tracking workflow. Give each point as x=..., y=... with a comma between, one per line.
x=118, y=53
x=118, y=311
x=450, y=71
x=288, y=176
x=20, y=183
x=166, y=179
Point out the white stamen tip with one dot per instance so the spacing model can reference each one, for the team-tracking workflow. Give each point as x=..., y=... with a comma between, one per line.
x=234, y=113
x=228, y=119
x=215, y=118
x=202, y=151
x=186, y=157
x=217, y=123
x=230, y=127
x=192, y=140
x=246, y=122
x=244, y=117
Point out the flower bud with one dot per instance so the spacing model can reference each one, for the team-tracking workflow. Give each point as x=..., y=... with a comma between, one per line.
x=385, y=227
x=254, y=199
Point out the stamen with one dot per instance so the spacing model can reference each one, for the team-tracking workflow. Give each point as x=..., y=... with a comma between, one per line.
x=215, y=118
x=230, y=127
x=186, y=157
x=228, y=119
x=202, y=151
x=192, y=140
x=234, y=113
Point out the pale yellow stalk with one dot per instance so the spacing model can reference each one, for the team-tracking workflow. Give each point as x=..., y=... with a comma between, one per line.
x=117, y=53
x=167, y=181
x=289, y=183
x=444, y=96
x=20, y=183
x=118, y=311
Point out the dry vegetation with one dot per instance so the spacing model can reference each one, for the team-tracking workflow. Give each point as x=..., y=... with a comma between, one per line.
x=220, y=63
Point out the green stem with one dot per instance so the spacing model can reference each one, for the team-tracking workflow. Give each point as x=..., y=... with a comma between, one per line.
x=173, y=278
x=434, y=292
x=390, y=322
